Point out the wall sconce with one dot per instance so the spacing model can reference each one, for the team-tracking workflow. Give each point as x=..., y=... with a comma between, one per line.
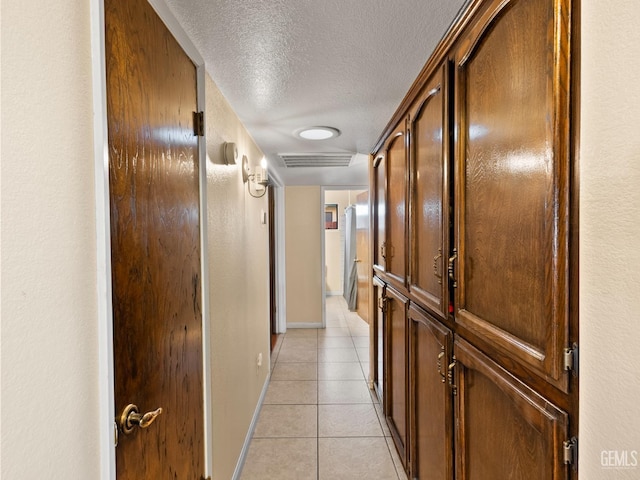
x=259, y=178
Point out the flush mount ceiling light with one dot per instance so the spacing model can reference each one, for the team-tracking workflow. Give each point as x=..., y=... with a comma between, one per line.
x=317, y=133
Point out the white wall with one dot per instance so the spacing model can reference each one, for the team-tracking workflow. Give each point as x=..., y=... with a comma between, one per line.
x=609, y=237
x=49, y=301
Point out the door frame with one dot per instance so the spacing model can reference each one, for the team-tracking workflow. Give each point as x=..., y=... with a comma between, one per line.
x=280, y=274
x=106, y=420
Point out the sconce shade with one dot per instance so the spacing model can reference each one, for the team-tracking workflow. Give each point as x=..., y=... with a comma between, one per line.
x=230, y=153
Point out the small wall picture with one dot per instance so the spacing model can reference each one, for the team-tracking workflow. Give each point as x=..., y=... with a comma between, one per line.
x=331, y=216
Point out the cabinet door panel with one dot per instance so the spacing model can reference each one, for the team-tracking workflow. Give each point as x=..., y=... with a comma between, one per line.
x=512, y=172
x=378, y=329
x=504, y=429
x=379, y=211
x=396, y=369
x=395, y=251
x=430, y=398
x=429, y=197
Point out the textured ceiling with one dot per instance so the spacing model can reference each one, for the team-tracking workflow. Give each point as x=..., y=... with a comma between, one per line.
x=288, y=64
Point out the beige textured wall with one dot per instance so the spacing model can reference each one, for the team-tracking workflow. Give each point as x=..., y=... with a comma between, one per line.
x=239, y=292
x=49, y=342
x=609, y=239
x=302, y=257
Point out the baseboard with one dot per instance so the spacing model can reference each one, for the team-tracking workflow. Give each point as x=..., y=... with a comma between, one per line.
x=304, y=325
x=252, y=427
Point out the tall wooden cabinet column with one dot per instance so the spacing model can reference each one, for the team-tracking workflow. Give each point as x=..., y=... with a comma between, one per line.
x=478, y=253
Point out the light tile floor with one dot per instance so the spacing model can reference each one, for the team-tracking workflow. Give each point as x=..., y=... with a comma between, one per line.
x=319, y=420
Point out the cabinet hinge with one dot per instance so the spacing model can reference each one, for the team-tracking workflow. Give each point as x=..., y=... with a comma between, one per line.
x=198, y=124
x=570, y=359
x=570, y=451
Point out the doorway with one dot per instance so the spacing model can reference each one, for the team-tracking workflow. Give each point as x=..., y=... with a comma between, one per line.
x=345, y=236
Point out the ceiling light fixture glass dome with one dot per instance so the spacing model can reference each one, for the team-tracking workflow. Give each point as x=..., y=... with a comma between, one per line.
x=317, y=133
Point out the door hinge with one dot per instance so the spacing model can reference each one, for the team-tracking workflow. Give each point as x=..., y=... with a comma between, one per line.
x=198, y=124
x=570, y=359
x=570, y=452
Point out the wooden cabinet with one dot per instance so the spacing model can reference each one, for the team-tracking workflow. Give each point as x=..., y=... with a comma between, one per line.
x=429, y=195
x=481, y=268
x=395, y=408
x=504, y=428
x=430, y=397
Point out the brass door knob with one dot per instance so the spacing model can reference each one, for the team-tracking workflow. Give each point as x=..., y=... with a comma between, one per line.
x=131, y=418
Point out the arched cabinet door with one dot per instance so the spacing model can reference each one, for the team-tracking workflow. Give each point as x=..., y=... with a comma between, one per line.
x=429, y=196
x=378, y=180
x=395, y=250
x=513, y=165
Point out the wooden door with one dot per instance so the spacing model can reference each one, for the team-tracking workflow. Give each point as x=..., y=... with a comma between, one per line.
x=396, y=208
x=430, y=398
x=512, y=199
x=362, y=254
x=397, y=379
x=504, y=429
x=378, y=181
x=429, y=193
x=155, y=244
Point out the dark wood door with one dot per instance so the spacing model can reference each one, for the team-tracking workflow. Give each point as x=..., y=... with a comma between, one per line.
x=513, y=168
x=362, y=254
x=429, y=223
x=430, y=398
x=396, y=209
x=378, y=182
x=397, y=379
x=155, y=243
x=504, y=429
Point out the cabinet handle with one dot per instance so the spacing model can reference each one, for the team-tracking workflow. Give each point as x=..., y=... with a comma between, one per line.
x=383, y=250
x=435, y=266
x=451, y=269
x=382, y=304
x=442, y=375
x=452, y=365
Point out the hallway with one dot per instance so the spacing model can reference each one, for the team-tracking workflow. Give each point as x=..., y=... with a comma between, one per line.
x=319, y=420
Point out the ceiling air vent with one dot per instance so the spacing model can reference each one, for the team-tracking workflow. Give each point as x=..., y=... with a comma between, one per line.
x=295, y=160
